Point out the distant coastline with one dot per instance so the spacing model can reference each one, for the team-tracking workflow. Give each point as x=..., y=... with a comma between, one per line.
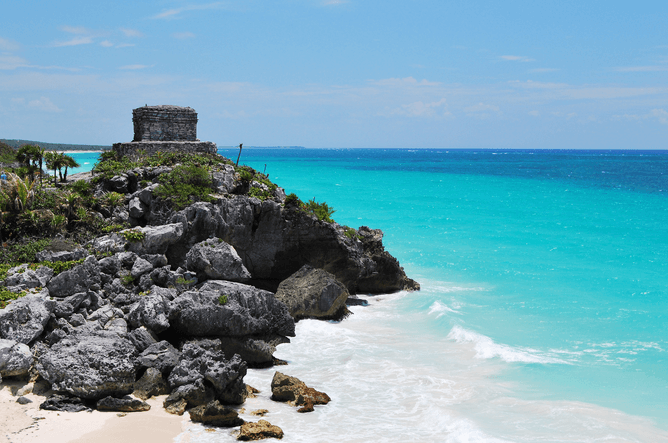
x=56, y=146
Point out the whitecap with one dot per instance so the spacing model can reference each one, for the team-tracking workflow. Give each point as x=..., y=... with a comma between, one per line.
x=441, y=309
x=486, y=348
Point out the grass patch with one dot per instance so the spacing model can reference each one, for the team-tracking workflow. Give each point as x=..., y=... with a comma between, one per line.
x=133, y=235
x=184, y=185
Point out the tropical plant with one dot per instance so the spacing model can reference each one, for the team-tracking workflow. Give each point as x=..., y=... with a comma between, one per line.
x=69, y=162
x=31, y=157
x=55, y=161
x=17, y=194
x=320, y=210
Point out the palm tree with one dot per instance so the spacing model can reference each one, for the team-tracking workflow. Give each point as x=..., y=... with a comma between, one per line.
x=55, y=160
x=69, y=162
x=30, y=156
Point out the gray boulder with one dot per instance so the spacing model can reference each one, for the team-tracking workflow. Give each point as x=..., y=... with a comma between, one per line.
x=77, y=254
x=15, y=358
x=136, y=208
x=313, y=293
x=64, y=403
x=157, y=238
x=78, y=279
x=222, y=308
x=204, y=361
x=151, y=312
x=23, y=320
x=90, y=366
x=30, y=279
x=142, y=338
x=110, y=265
x=215, y=259
x=140, y=267
x=108, y=243
x=161, y=356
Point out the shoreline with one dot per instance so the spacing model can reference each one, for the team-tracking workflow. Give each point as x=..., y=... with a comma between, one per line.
x=29, y=424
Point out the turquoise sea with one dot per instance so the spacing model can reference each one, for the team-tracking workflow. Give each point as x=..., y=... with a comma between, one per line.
x=543, y=314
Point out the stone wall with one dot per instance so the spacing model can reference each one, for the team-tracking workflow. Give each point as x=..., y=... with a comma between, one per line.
x=164, y=123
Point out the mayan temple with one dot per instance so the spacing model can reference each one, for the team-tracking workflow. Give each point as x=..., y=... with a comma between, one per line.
x=164, y=128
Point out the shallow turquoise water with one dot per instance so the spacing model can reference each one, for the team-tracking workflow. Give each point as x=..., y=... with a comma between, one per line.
x=544, y=303
x=547, y=261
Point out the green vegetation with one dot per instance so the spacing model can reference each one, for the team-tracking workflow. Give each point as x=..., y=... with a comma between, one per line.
x=259, y=193
x=7, y=154
x=127, y=279
x=184, y=185
x=133, y=235
x=54, y=146
x=292, y=199
x=320, y=210
x=22, y=252
x=222, y=299
x=351, y=233
x=6, y=296
x=183, y=281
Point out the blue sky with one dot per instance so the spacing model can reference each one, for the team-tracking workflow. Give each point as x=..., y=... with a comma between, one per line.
x=337, y=73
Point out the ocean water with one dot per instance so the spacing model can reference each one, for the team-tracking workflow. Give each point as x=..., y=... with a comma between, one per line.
x=544, y=305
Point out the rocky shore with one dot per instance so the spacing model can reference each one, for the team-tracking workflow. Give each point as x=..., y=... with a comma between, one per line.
x=184, y=302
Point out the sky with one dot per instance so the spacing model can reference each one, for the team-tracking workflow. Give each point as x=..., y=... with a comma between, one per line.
x=342, y=73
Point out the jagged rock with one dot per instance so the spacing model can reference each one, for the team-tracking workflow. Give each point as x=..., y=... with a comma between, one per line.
x=127, y=259
x=257, y=353
x=108, y=243
x=156, y=260
x=142, y=338
x=313, y=293
x=157, y=238
x=259, y=412
x=353, y=300
x=23, y=400
x=295, y=392
x=161, y=356
x=15, y=358
x=215, y=414
x=78, y=279
x=215, y=259
x=77, y=254
x=150, y=384
x=177, y=407
x=77, y=320
x=110, y=265
x=164, y=276
x=151, y=311
x=118, y=326
x=30, y=279
x=258, y=431
x=140, y=267
x=90, y=366
x=223, y=180
x=246, y=311
x=136, y=208
x=202, y=361
x=105, y=314
x=274, y=242
x=64, y=403
x=123, y=404
x=23, y=320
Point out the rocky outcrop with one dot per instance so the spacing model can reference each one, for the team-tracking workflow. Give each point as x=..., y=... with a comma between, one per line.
x=90, y=366
x=295, y=392
x=313, y=293
x=258, y=431
x=216, y=260
x=78, y=279
x=202, y=361
x=24, y=319
x=64, y=403
x=221, y=308
x=215, y=414
x=275, y=241
x=15, y=358
x=150, y=384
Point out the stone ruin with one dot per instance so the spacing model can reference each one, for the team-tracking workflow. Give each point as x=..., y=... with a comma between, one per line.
x=164, y=129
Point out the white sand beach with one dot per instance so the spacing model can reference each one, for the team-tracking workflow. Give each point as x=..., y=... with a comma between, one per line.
x=29, y=424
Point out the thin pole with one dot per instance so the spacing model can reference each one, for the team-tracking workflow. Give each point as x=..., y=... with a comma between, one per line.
x=240, y=145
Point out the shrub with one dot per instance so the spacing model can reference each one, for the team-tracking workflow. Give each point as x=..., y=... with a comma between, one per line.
x=133, y=235
x=127, y=279
x=292, y=199
x=259, y=193
x=6, y=296
x=184, y=185
x=320, y=210
x=81, y=187
x=23, y=253
x=222, y=299
x=351, y=233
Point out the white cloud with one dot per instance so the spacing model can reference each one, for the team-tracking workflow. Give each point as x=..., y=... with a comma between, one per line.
x=516, y=58
x=183, y=35
x=661, y=115
x=79, y=30
x=641, y=68
x=9, y=62
x=172, y=13
x=481, y=107
x=134, y=67
x=131, y=32
x=106, y=44
x=8, y=45
x=82, y=40
x=407, y=81
x=421, y=109
x=44, y=104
